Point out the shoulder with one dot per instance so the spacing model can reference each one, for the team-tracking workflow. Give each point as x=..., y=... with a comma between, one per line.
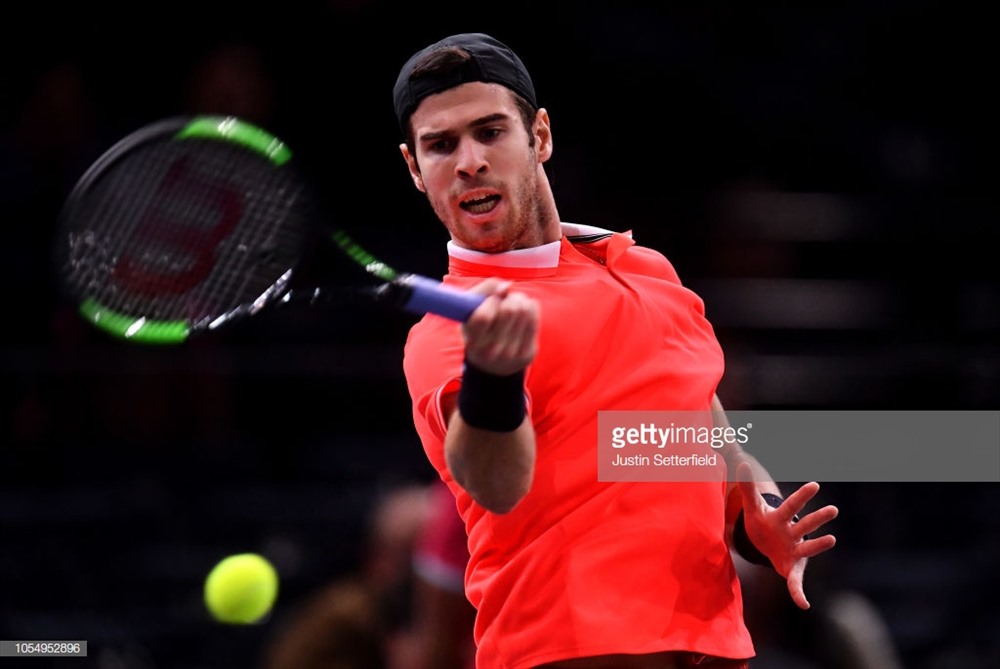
x=620, y=251
x=646, y=260
x=433, y=353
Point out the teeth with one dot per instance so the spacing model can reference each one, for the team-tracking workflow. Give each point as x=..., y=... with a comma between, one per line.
x=481, y=206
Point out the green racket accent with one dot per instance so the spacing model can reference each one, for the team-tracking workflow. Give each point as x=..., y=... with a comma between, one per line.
x=134, y=329
x=371, y=264
x=234, y=130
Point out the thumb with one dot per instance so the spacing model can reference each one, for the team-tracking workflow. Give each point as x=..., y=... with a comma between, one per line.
x=795, y=587
x=492, y=286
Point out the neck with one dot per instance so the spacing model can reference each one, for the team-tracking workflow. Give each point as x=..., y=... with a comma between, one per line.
x=548, y=214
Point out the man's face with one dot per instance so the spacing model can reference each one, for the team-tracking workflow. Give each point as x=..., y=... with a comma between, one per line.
x=475, y=163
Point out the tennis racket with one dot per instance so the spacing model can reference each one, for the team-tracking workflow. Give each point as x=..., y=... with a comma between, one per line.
x=190, y=224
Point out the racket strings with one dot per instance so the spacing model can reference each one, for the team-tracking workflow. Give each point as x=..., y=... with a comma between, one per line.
x=187, y=230
x=255, y=265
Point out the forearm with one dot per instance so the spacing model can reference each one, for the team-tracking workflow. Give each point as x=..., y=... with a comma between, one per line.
x=765, y=483
x=496, y=468
x=490, y=443
x=733, y=455
x=750, y=487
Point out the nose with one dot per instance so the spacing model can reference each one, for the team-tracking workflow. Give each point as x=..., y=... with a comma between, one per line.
x=470, y=158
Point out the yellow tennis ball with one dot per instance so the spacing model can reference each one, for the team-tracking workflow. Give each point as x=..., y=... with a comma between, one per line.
x=241, y=589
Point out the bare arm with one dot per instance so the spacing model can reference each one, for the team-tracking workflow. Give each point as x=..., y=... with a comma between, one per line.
x=775, y=532
x=496, y=468
x=734, y=455
x=501, y=338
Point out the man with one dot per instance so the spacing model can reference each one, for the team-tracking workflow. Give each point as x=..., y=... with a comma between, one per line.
x=565, y=570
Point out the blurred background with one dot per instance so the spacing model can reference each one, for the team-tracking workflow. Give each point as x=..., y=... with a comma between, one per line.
x=818, y=173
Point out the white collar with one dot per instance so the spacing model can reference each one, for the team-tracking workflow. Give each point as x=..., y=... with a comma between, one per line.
x=544, y=256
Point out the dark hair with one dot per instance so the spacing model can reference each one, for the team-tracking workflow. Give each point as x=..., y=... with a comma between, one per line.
x=448, y=59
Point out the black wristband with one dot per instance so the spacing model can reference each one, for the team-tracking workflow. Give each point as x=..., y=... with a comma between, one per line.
x=741, y=541
x=491, y=402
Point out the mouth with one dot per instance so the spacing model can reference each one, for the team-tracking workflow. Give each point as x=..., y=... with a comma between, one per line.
x=480, y=204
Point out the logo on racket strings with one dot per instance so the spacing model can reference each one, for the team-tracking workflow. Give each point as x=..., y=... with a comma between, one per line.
x=171, y=250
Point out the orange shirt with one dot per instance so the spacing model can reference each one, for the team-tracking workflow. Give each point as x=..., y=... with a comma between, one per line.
x=582, y=567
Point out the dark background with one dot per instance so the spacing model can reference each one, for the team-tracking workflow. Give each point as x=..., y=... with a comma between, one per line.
x=819, y=173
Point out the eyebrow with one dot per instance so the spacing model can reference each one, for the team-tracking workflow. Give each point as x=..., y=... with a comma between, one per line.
x=477, y=123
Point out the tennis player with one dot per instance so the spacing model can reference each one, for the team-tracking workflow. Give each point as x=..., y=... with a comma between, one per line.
x=566, y=571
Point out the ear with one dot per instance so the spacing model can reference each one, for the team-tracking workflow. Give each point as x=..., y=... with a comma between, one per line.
x=543, y=135
x=411, y=164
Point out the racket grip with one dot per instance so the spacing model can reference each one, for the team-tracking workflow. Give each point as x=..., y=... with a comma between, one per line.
x=422, y=295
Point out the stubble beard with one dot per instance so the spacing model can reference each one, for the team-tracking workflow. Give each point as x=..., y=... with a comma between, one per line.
x=525, y=230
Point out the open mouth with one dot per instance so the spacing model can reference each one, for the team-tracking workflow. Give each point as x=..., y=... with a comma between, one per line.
x=480, y=205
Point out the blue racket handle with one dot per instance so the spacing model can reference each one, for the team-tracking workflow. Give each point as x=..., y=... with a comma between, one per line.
x=422, y=295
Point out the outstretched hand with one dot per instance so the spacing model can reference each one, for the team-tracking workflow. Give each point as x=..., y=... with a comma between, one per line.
x=778, y=536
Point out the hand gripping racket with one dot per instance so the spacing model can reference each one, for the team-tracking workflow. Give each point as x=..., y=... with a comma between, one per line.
x=190, y=224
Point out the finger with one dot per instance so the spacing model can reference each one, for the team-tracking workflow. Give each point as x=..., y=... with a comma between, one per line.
x=503, y=338
x=492, y=286
x=481, y=318
x=512, y=322
x=525, y=328
x=479, y=330
x=520, y=342
x=797, y=501
x=478, y=344
x=795, y=588
x=815, y=520
x=813, y=547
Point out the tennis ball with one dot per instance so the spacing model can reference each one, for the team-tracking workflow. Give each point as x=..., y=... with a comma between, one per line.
x=241, y=589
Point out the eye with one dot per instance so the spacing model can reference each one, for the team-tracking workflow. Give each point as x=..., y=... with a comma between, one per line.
x=440, y=145
x=488, y=134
